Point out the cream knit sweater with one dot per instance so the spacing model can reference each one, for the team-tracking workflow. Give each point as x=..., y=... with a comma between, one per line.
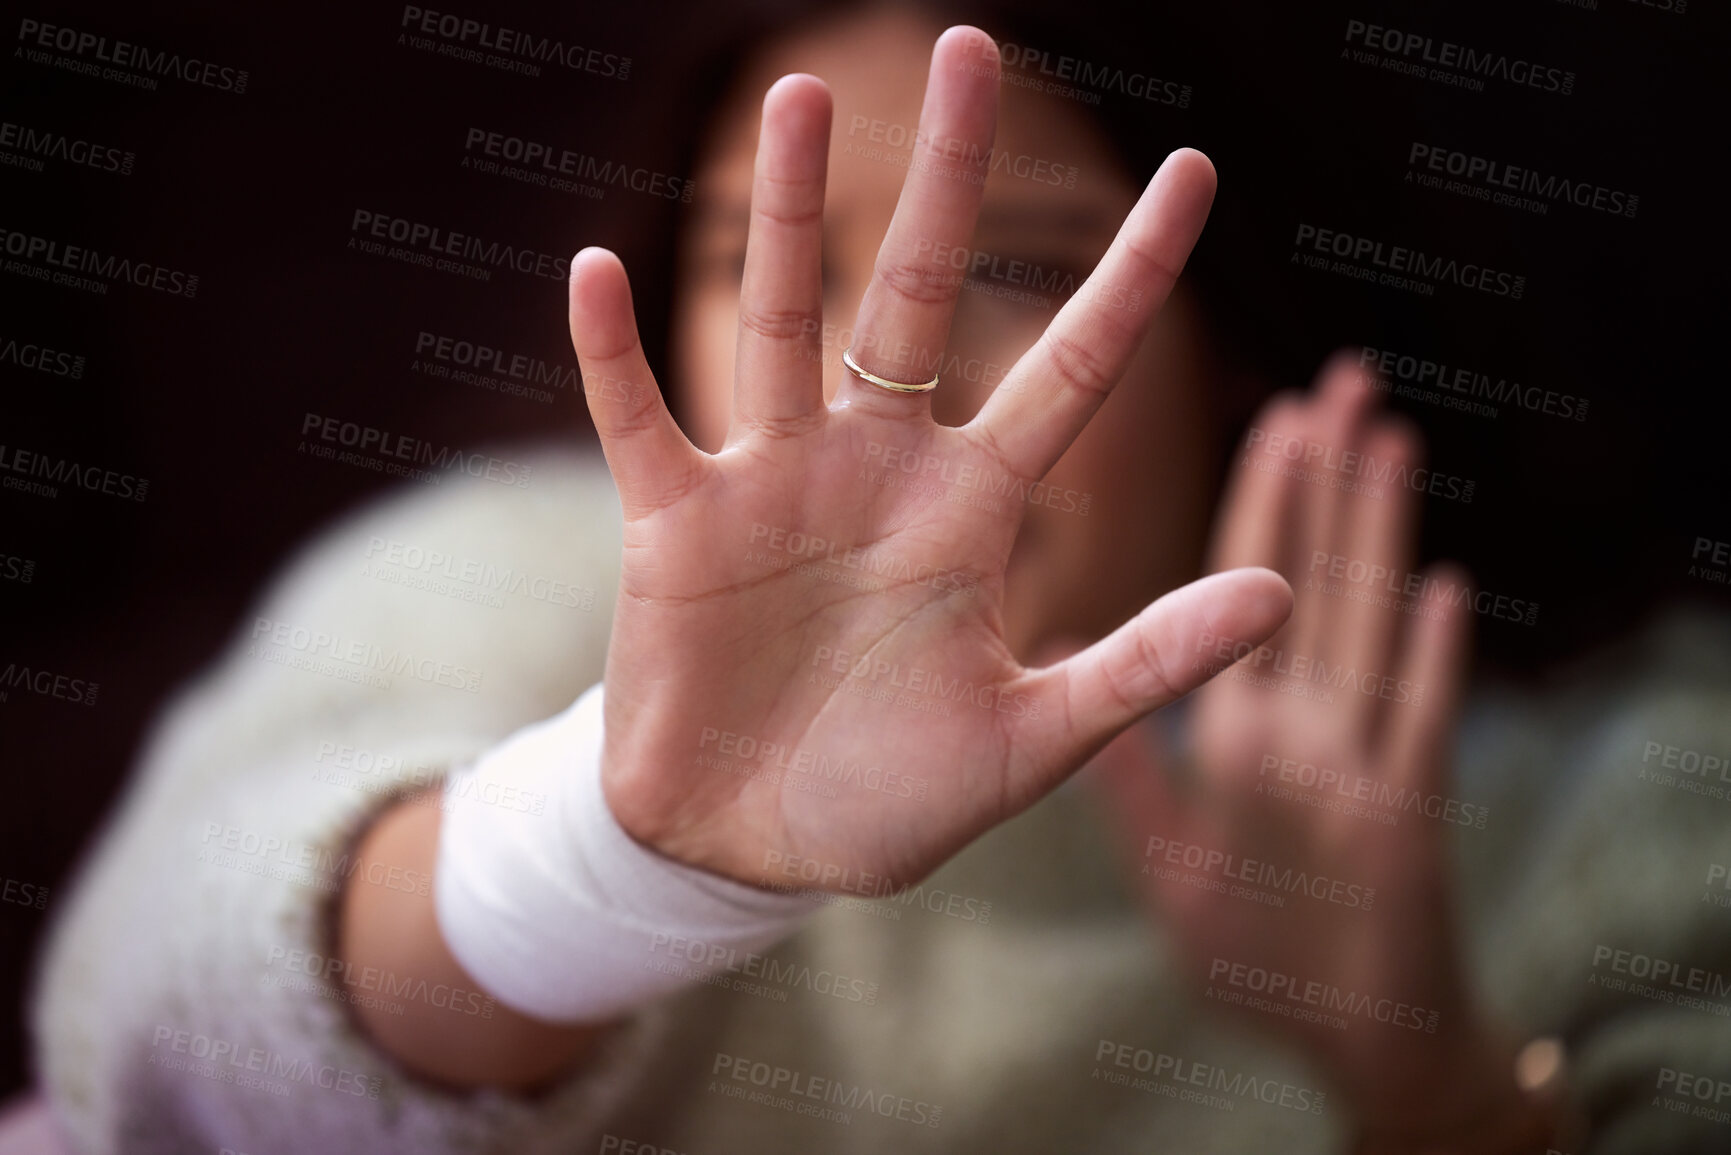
x=180, y=1008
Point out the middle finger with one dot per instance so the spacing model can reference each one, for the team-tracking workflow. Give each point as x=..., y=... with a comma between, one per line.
x=904, y=319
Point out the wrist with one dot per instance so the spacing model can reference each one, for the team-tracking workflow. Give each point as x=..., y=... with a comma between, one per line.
x=1488, y=1097
x=1436, y=1082
x=563, y=915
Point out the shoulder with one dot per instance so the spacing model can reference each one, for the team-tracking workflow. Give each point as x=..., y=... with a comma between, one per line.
x=497, y=589
x=562, y=512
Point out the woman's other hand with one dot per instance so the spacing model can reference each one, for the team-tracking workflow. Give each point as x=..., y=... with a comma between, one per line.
x=1301, y=860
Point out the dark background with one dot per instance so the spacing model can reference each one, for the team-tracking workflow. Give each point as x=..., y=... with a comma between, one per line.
x=254, y=192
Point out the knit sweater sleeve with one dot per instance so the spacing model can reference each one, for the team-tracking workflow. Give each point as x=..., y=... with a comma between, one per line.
x=184, y=1002
x=1608, y=923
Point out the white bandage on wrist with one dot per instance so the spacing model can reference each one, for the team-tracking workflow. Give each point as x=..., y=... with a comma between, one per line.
x=554, y=909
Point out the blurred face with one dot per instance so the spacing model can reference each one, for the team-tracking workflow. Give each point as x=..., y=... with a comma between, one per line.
x=1124, y=513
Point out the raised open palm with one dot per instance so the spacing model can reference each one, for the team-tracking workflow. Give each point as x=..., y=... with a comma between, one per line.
x=771, y=591
x=1303, y=861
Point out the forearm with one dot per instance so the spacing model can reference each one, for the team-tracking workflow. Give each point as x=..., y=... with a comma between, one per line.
x=396, y=933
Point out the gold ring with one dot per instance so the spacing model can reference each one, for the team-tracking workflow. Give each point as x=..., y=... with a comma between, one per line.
x=884, y=382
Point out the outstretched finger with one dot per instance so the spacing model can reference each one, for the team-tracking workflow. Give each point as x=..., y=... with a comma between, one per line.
x=1255, y=523
x=904, y=318
x=1419, y=738
x=1374, y=555
x=1057, y=386
x=651, y=460
x=1328, y=503
x=778, y=374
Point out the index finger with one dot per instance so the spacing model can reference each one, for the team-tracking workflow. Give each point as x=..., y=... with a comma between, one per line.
x=1058, y=385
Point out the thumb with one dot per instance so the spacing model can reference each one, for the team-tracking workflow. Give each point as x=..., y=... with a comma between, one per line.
x=1155, y=658
x=1115, y=773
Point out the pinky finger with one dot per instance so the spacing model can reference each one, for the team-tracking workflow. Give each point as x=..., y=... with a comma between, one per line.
x=1418, y=743
x=651, y=460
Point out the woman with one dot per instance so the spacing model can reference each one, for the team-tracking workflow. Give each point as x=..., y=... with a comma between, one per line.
x=288, y=944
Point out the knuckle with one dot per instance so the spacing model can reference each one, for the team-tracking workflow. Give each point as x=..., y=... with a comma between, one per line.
x=780, y=428
x=1137, y=677
x=639, y=418
x=1145, y=256
x=919, y=283
x=780, y=324
x=1076, y=365
x=1155, y=679
x=789, y=204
